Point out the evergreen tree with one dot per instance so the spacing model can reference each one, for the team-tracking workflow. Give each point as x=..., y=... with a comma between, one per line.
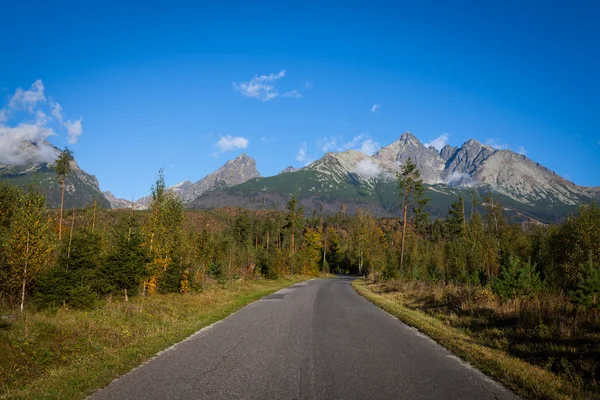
x=410, y=187
x=456, y=221
x=126, y=264
x=587, y=292
x=63, y=168
x=293, y=220
x=76, y=278
x=517, y=278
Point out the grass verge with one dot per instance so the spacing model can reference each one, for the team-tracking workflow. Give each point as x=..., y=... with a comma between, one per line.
x=68, y=354
x=527, y=380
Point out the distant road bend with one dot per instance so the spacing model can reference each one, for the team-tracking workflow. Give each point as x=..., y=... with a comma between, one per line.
x=314, y=340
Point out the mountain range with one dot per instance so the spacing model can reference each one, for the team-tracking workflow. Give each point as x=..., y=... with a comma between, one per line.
x=354, y=180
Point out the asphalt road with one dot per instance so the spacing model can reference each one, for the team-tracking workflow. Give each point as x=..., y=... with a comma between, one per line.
x=314, y=340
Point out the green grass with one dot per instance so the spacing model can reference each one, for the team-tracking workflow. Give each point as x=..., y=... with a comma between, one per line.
x=526, y=379
x=68, y=354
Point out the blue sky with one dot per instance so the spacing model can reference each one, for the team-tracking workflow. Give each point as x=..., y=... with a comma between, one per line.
x=188, y=85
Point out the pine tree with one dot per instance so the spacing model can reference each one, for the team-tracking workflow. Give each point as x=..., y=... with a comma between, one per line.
x=456, y=221
x=587, y=293
x=410, y=186
x=63, y=168
x=293, y=220
x=126, y=264
x=517, y=278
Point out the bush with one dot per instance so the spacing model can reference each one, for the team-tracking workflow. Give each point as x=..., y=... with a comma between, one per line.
x=587, y=293
x=517, y=278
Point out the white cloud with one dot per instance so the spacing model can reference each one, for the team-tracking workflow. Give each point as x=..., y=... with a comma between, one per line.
x=439, y=142
x=367, y=168
x=302, y=155
x=459, y=179
x=74, y=129
x=362, y=142
x=27, y=99
x=369, y=147
x=496, y=144
x=293, y=93
x=263, y=87
x=26, y=144
x=227, y=143
x=327, y=144
x=375, y=107
x=521, y=150
x=24, y=141
x=57, y=111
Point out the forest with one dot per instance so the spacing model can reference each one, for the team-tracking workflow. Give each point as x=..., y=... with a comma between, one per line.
x=535, y=287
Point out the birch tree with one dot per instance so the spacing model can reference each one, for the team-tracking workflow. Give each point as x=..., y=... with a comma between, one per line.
x=29, y=245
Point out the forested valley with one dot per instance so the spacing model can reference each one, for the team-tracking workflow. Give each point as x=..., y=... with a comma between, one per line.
x=529, y=289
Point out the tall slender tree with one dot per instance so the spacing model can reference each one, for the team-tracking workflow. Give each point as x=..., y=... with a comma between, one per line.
x=293, y=219
x=456, y=221
x=63, y=168
x=411, y=192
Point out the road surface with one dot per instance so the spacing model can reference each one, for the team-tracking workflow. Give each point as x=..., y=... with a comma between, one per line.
x=314, y=340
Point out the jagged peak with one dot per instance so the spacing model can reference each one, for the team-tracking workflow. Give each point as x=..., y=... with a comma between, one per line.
x=242, y=158
x=472, y=143
x=408, y=136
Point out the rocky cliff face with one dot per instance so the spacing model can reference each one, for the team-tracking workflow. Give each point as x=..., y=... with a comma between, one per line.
x=234, y=172
x=428, y=160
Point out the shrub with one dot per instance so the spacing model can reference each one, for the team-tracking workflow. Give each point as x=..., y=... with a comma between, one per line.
x=517, y=278
x=587, y=293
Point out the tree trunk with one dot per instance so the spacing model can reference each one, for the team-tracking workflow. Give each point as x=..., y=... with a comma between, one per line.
x=125, y=294
x=405, y=208
x=360, y=263
x=267, y=241
x=94, y=216
x=325, y=249
x=71, y=235
x=62, y=202
x=464, y=221
x=25, y=275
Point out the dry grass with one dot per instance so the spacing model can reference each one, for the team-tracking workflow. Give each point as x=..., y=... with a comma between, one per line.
x=519, y=343
x=68, y=354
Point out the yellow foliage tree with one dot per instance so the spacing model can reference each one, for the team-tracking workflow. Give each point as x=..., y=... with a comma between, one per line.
x=29, y=244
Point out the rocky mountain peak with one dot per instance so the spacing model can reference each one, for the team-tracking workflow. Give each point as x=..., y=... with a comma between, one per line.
x=447, y=152
x=288, y=169
x=429, y=162
x=408, y=137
